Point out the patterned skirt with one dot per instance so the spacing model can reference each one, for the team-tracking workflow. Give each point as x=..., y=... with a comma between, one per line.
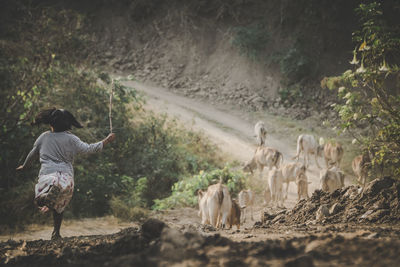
x=54, y=191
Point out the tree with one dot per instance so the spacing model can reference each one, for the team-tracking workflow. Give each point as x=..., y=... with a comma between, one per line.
x=369, y=94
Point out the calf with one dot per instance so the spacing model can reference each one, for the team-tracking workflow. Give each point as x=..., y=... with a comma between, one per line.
x=234, y=216
x=302, y=186
x=333, y=154
x=261, y=133
x=290, y=171
x=263, y=157
x=246, y=200
x=275, y=183
x=307, y=144
x=331, y=179
x=360, y=168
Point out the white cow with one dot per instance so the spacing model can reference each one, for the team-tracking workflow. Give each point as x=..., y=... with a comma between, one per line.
x=275, y=183
x=360, y=166
x=246, y=201
x=215, y=204
x=263, y=157
x=261, y=133
x=333, y=154
x=290, y=171
x=302, y=186
x=307, y=144
x=331, y=179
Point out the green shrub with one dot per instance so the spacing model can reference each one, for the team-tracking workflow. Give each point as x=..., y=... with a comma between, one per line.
x=295, y=65
x=251, y=40
x=184, y=192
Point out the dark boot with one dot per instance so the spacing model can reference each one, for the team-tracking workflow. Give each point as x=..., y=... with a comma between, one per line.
x=57, y=218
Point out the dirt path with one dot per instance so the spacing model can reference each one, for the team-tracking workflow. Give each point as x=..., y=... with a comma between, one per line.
x=231, y=129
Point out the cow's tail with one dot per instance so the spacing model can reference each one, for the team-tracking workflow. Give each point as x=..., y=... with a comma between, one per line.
x=263, y=135
x=220, y=192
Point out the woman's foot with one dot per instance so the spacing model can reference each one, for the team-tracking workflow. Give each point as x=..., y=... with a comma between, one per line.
x=43, y=209
x=55, y=236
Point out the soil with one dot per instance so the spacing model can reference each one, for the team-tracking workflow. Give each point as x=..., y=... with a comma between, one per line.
x=156, y=244
x=362, y=229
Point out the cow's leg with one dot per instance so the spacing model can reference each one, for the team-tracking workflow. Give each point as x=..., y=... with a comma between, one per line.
x=316, y=160
x=224, y=217
x=267, y=196
x=287, y=189
x=306, y=159
x=244, y=215
x=326, y=162
x=260, y=169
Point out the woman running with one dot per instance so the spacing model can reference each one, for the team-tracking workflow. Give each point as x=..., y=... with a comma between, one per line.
x=57, y=149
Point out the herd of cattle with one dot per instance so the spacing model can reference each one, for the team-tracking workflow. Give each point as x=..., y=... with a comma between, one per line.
x=217, y=208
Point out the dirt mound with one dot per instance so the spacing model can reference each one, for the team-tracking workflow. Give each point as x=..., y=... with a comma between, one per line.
x=156, y=244
x=379, y=203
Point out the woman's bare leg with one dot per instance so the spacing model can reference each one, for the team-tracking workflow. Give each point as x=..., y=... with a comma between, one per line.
x=57, y=220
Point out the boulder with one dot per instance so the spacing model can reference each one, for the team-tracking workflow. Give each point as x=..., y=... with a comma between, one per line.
x=335, y=209
x=322, y=212
x=152, y=228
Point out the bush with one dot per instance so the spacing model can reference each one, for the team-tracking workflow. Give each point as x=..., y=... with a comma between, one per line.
x=251, y=40
x=184, y=192
x=368, y=96
x=295, y=65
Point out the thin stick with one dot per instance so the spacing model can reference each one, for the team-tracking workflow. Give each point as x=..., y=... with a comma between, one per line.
x=110, y=111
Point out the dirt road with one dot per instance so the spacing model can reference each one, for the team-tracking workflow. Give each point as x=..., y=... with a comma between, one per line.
x=230, y=128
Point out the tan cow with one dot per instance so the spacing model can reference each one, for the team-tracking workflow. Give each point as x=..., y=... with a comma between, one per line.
x=302, y=185
x=263, y=157
x=215, y=205
x=331, y=179
x=203, y=211
x=290, y=171
x=307, y=144
x=333, y=154
x=360, y=168
x=261, y=133
x=275, y=183
x=246, y=201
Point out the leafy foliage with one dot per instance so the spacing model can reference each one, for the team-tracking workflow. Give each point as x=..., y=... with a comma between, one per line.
x=295, y=65
x=369, y=94
x=50, y=70
x=184, y=192
x=251, y=40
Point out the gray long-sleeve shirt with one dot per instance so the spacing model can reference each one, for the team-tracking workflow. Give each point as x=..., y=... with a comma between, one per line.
x=57, y=151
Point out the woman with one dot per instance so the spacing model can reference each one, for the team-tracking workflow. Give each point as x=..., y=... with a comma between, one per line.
x=57, y=149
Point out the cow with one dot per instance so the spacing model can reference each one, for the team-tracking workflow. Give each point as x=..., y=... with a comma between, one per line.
x=290, y=171
x=360, y=168
x=275, y=184
x=203, y=211
x=307, y=144
x=302, y=185
x=246, y=201
x=333, y=154
x=331, y=179
x=261, y=133
x=234, y=215
x=263, y=157
x=215, y=205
